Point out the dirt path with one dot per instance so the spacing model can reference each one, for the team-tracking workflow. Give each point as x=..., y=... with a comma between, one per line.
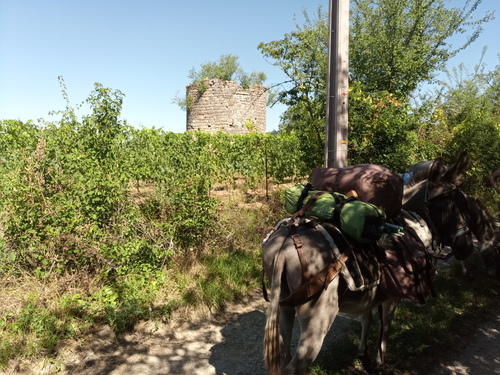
x=227, y=344
x=231, y=344
x=480, y=355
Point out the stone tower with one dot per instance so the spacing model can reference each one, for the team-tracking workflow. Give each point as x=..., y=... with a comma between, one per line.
x=217, y=104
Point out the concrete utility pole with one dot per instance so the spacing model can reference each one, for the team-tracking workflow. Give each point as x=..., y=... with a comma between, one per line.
x=337, y=85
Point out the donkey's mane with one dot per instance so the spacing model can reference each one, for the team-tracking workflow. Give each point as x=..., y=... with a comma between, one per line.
x=418, y=176
x=413, y=190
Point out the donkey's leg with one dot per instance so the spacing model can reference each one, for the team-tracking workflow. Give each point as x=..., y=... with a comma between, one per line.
x=465, y=270
x=315, y=318
x=386, y=313
x=287, y=320
x=366, y=320
x=490, y=256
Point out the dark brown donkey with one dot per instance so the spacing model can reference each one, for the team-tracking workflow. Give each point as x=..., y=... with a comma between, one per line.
x=440, y=200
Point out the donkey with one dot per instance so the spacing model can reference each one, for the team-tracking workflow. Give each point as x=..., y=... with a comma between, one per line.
x=439, y=181
x=285, y=269
x=294, y=247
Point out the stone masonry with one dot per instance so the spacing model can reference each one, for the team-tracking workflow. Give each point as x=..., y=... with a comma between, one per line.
x=216, y=104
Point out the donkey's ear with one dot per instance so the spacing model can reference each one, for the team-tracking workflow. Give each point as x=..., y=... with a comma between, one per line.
x=436, y=171
x=457, y=170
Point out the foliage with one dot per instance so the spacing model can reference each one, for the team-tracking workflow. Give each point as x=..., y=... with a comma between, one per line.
x=32, y=320
x=226, y=68
x=115, y=208
x=381, y=130
x=16, y=138
x=301, y=55
x=395, y=45
x=408, y=48
x=469, y=109
x=69, y=205
x=309, y=130
x=61, y=196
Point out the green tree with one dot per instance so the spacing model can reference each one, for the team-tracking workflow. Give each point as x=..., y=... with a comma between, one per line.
x=407, y=48
x=226, y=68
x=396, y=44
x=382, y=129
x=470, y=110
x=104, y=125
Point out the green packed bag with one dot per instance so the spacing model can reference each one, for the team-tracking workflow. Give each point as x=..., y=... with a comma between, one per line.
x=363, y=222
x=297, y=196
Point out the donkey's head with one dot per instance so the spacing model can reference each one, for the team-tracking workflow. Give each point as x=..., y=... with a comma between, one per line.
x=447, y=206
x=434, y=194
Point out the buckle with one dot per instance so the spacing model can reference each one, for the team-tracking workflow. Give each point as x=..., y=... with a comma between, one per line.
x=296, y=240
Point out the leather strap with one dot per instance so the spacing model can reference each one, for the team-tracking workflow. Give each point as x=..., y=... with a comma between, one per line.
x=308, y=204
x=298, y=246
x=316, y=284
x=311, y=285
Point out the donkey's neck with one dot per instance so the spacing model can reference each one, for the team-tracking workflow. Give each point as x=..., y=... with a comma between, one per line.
x=414, y=197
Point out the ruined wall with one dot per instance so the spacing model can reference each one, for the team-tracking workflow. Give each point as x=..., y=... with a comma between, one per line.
x=216, y=104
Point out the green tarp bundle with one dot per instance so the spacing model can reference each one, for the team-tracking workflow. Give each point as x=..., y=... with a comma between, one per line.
x=361, y=221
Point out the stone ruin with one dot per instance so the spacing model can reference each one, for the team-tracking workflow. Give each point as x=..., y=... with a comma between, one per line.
x=218, y=105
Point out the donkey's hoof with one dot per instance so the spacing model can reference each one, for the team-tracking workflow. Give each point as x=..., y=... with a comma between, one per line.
x=364, y=358
x=384, y=369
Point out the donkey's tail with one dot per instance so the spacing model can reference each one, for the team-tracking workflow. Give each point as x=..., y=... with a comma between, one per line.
x=272, y=331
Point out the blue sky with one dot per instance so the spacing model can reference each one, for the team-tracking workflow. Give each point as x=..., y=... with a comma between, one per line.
x=146, y=48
